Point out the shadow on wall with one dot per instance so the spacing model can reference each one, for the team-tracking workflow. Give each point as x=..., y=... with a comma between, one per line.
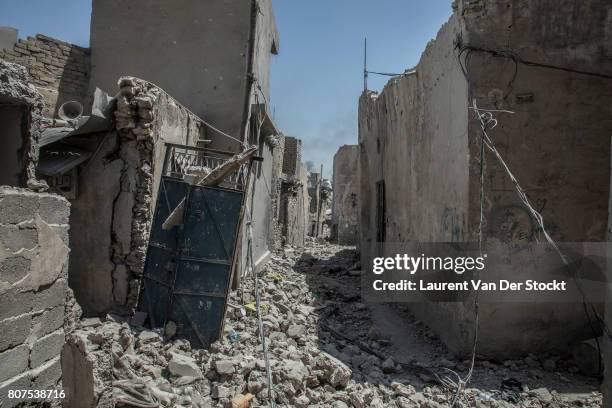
x=364, y=336
x=13, y=118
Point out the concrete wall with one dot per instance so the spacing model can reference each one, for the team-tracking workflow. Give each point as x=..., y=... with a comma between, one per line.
x=112, y=214
x=33, y=289
x=294, y=212
x=292, y=157
x=419, y=137
x=59, y=70
x=275, y=240
x=180, y=40
x=261, y=197
x=345, y=204
x=320, y=202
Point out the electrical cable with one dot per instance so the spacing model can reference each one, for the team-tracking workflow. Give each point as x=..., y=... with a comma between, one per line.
x=222, y=133
x=257, y=290
x=487, y=118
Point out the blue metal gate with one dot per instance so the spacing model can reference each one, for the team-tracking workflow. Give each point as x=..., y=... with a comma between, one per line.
x=188, y=268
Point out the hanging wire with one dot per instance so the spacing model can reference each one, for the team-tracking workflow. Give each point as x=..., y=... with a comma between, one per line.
x=209, y=125
x=262, y=335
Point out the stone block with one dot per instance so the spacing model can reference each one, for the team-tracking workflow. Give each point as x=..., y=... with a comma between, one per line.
x=14, y=269
x=63, y=231
x=15, y=303
x=48, y=322
x=54, y=209
x=14, y=331
x=48, y=375
x=15, y=238
x=16, y=208
x=14, y=362
x=50, y=297
x=77, y=377
x=46, y=348
x=21, y=382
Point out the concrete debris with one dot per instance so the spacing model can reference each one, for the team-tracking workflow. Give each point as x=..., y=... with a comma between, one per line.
x=307, y=299
x=183, y=366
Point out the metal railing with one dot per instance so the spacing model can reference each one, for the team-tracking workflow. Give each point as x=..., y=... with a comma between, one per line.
x=190, y=162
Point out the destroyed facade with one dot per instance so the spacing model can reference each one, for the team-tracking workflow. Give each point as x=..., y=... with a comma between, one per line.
x=345, y=203
x=90, y=135
x=294, y=211
x=420, y=154
x=34, y=248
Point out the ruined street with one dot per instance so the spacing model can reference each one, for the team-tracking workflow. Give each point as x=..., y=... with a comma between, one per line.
x=309, y=204
x=325, y=349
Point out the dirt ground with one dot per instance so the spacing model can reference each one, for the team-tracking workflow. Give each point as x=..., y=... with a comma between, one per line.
x=325, y=348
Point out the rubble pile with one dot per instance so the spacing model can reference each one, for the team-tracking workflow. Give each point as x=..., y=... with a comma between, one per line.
x=323, y=350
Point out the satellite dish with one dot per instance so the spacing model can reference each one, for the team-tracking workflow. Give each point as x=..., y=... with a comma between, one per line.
x=71, y=110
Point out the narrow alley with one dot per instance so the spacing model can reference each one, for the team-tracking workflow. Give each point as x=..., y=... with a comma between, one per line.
x=325, y=348
x=406, y=205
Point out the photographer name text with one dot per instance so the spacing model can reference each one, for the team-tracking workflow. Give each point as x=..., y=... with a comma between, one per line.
x=469, y=285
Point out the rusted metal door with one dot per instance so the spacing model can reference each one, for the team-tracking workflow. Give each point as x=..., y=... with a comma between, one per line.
x=188, y=268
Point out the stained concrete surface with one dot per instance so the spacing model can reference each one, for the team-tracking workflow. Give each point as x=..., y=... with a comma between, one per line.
x=345, y=201
x=213, y=73
x=420, y=138
x=33, y=289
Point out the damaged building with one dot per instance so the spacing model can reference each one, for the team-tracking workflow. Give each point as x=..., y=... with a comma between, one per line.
x=320, y=192
x=82, y=125
x=34, y=294
x=100, y=160
x=345, y=201
x=420, y=154
x=163, y=244
x=294, y=199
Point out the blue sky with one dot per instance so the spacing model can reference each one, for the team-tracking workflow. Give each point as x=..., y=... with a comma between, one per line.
x=317, y=77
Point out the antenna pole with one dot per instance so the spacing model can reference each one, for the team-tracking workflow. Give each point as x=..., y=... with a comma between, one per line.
x=365, y=64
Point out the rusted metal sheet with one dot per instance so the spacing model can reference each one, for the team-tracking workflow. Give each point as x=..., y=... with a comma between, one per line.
x=188, y=268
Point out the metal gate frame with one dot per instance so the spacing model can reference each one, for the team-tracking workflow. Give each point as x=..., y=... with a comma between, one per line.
x=177, y=161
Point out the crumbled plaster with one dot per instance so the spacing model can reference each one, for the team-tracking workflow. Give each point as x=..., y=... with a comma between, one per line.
x=132, y=212
x=15, y=88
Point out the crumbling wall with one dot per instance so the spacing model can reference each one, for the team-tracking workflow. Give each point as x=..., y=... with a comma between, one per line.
x=292, y=156
x=19, y=96
x=112, y=214
x=345, y=204
x=59, y=70
x=207, y=78
x=557, y=142
x=33, y=289
x=275, y=240
x=294, y=212
x=294, y=199
x=419, y=137
x=260, y=203
x=318, y=204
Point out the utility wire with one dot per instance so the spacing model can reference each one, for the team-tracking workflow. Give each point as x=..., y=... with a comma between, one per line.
x=486, y=119
x=509, y=54
x=257, y=288
x=384, y=73
x=222, y=133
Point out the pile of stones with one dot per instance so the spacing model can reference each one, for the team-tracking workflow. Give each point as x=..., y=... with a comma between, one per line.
x=322, y=351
